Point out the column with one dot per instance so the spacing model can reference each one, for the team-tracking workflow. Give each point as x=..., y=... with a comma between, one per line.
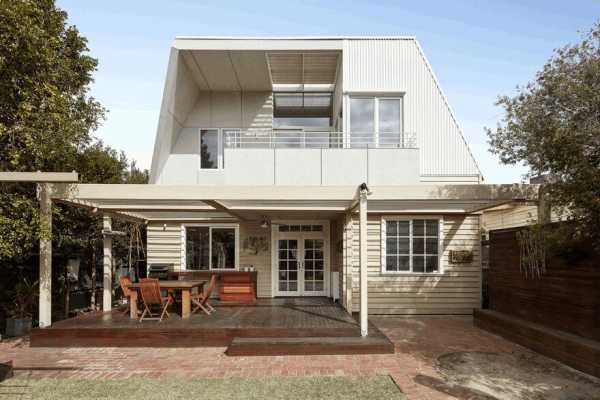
x=45, y=301
x=364, y=307
x=107, y=262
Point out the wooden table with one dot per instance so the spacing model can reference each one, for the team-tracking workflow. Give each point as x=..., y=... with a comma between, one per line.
x=184, y=286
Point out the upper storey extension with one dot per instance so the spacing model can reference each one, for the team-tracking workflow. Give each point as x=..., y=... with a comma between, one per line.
x=306, y=111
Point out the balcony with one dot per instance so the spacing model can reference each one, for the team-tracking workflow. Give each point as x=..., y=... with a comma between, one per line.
x=311, y=139
x=313, y=158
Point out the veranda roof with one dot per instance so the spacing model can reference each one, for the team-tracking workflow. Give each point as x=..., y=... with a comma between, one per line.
x=197, y=202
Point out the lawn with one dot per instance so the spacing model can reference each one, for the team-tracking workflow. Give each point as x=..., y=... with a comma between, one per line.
x=329, y=388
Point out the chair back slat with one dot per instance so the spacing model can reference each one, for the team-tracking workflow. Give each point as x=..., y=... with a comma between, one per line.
x=150, y=290
x=124, y=281
x=211, y=285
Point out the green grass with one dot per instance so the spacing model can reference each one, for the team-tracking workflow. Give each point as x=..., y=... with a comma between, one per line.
x=308, y=388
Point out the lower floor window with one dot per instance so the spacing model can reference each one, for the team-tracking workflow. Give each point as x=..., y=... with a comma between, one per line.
x=411, y=245
x=210, y=247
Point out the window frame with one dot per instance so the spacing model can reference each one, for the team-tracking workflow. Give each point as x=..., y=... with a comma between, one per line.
x=211, y=226
x=376, y=97
x=410, y=218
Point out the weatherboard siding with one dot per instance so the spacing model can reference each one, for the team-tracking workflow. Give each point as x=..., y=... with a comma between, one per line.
x=455, y=291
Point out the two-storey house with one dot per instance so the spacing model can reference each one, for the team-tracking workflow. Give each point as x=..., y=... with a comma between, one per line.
x=330, y=166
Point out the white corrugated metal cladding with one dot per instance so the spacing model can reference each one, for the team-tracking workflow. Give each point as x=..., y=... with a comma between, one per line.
x=399, y=66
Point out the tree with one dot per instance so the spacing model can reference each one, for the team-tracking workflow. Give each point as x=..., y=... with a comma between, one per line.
x=47, y=117
x=47, y=123
x=552, y=125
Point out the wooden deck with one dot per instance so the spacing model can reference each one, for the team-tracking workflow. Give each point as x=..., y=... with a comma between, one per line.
x=289, y=320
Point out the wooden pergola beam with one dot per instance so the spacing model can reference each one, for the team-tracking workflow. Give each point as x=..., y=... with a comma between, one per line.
x=217, y=205
x=56, y=177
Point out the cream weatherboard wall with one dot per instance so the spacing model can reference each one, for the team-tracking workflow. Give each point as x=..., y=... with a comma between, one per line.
x=456, y=290
x=509, y=217
x=165, y=245
x=398, y=66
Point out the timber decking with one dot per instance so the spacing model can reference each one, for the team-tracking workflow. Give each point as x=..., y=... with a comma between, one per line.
x=276, y=318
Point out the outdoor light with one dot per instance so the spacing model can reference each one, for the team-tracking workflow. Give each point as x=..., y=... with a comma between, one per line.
x=264, y=223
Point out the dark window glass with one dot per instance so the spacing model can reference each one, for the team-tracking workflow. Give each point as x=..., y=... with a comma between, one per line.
x=403, y=245
x=391, y=263
x=403, y=228
x=209, y=148
x=391, y=228
x=431, y=264
x=404, y=263
x=197, y=248
x=431, y=246
x=223, y=248
x=418, y=264
x=432, y=227
x=418, y=246
x=418, y=227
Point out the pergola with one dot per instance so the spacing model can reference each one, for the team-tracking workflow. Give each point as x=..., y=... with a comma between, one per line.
x=145, y=203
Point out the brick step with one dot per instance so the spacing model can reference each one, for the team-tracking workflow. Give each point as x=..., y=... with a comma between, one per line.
x=265, y=346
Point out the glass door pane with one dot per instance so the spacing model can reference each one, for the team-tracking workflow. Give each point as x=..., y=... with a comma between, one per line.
x=287, y=265
x=314, y=265
x=362, y=122
x=389, y=122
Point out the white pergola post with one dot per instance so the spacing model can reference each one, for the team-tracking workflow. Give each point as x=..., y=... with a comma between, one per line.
x=45, y=301
x=107, y=262
x=364, y=306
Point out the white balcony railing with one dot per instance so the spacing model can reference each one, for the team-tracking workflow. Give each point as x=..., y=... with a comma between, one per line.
x=317, y=139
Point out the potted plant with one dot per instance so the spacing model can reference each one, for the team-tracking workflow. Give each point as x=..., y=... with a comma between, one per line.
x=19, y=322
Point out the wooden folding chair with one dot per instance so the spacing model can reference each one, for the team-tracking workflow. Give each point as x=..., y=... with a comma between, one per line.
x=200, y=300
x=152, y=299
x=124, y=281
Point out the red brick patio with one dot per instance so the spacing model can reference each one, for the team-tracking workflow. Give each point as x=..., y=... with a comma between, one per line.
x=418, y=343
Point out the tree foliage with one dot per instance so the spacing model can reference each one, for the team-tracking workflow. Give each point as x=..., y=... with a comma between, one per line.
x=47, y=120
x=552, y=125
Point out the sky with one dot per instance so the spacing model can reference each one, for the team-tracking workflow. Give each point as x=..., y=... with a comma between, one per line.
x=478, y=50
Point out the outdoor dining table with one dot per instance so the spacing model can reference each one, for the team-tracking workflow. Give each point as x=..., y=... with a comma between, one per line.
x=171, y=285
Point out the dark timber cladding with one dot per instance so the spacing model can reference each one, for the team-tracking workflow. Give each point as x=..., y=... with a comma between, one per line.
x=566, y=297
x=557, y=314
x=314, y=326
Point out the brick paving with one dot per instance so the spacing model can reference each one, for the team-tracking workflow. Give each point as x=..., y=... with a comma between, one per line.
x=418, y=343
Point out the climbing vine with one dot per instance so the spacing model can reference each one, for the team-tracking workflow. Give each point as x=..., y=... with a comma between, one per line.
x=532, y=245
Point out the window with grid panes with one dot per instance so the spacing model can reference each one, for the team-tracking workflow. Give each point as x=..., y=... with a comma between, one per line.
x=412, y=245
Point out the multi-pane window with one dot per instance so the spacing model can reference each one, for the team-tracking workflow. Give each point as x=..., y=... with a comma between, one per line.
x=208, y=247
x=411, y=245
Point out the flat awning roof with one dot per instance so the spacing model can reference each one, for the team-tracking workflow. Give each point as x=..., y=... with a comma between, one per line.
x=181, y=202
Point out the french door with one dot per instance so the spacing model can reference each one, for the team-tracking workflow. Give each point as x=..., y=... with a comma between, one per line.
x=301, y=260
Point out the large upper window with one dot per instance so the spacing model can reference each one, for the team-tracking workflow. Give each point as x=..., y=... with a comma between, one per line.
x=211, y=247
x=411, y=245
x=375, y=121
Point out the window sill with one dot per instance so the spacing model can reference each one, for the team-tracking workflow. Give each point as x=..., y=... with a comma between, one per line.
x=387, y=273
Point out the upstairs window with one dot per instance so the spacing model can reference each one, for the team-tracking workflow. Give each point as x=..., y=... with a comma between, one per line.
x=376, y=121
x=411, y=245
x=211, y=149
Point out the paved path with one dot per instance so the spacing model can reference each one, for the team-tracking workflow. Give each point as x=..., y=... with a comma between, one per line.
x=418, y=342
